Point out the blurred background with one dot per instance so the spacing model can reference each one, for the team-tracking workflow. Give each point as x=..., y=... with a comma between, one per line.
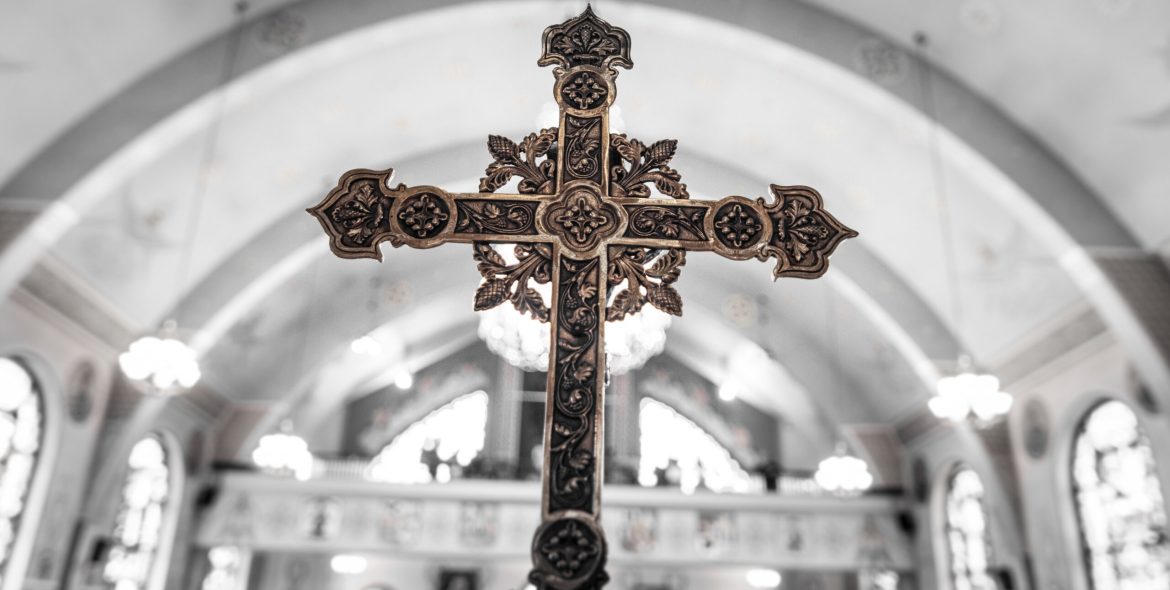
x=196, y=394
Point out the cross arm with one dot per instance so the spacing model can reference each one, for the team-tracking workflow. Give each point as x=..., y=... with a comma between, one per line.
x=794, y=228
x=363, y=211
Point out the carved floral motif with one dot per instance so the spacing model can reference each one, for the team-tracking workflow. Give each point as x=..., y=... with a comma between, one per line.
x=646, y=165
x=511, y=282
x=586, y=40
x=361, y=212
x=581, y=219
x=583, y=147
x=570, y=548
x=666, y=223
x=643, y=284
x=495, y=216
x=578, y=322
x=737, y=225
x=803, y=234
x=585, y=90
x=512, y=159
x=423, y=215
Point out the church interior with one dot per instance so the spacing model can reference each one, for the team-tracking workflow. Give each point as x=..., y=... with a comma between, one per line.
x=197, y=394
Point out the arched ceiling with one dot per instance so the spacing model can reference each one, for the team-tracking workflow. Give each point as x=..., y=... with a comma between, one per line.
x=755, y=93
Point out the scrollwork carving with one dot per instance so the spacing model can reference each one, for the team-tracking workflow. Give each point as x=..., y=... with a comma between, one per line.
x=644, y=284
x=511, y=282
x=666, y=223
x=496, y=216
x=583, y=147
x=512, y=159
x=572, y=458
x=647, y=165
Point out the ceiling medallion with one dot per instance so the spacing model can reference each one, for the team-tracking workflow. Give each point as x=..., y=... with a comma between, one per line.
x=587, y=227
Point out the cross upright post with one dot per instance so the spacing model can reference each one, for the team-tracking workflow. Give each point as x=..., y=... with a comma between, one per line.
x=585, y=223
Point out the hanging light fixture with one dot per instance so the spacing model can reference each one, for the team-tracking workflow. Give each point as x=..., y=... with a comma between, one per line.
x=970, y=397
x=967, y=396
x=284, y=453
x=843, y=474
x=161, y=363
x=524, y=342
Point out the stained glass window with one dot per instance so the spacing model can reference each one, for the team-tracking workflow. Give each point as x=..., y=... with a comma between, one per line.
x=20, y=439
x=680, y=452
x=429, y=450
x=965, y=519
x=1119, y=502
x=139, y=527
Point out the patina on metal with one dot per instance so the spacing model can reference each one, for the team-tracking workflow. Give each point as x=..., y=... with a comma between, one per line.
x=583, y=220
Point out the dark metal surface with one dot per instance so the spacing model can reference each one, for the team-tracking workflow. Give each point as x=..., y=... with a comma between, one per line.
x=583, y=219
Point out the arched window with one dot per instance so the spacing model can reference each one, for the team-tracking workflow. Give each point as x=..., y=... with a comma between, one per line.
x=674, y=447
x=424, y=452
x=20, y=439
x=1119, y=502
x=965, y=528
x=144, y=523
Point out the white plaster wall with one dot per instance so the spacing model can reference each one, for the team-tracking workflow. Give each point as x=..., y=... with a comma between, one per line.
x=54, y=348
x=1068, y=388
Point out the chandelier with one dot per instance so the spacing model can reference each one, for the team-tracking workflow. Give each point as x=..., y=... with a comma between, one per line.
x=843, y=473
x=523, y=341
x=970, y=397
x=284, y=453
x=161, y=364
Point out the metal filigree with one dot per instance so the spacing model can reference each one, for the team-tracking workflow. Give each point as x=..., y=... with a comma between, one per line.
x=512, y=159
x=627, y=264
x=647, y=165
x=582, y=222
x=511, y=282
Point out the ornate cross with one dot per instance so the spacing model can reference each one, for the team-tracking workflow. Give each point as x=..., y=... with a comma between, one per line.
x=584, y=222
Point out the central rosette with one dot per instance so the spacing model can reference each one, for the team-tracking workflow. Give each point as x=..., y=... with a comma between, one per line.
x=581, y=219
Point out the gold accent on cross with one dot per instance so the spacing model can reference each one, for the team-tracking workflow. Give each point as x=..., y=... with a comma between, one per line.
x=583, y=220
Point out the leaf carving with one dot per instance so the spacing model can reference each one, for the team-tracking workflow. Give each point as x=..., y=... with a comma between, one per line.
x=512, y=282
x=490, y=294
x=512, y=159
x=647, y=165
x=644, y=283
x=662, y=151
x=503, y=149
x=666, y=299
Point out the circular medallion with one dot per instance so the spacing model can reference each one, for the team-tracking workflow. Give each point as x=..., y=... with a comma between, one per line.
x=738, y=226
x=570, y=547
x=424, y=215
x=584, y=90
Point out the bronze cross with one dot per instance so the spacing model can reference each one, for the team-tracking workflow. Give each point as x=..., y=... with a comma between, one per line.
x=583, y=221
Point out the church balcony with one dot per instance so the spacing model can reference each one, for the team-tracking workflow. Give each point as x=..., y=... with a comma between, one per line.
x=485, y=521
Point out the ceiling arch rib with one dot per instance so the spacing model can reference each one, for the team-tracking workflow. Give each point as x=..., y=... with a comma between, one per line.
x=647, y=13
